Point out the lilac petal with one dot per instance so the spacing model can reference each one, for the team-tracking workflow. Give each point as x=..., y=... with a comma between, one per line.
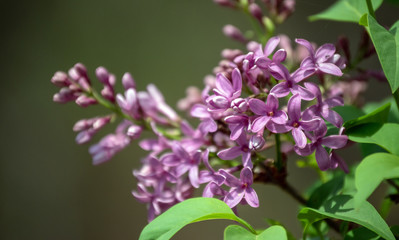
x=314, y=89
x=271, y=45
x=303, y=92
x=258, y=106
x=332, y=117
x=325, y=52
x=251, y=197
x=230, y=153
x=237, y=80
x=280, y=117
x=330, y=68
x=259, y=123
x=321, y=130
x=246, y=159
x=181, y=169
x=334, y=101
x=246, y=176
x=208, y=125
x=306, y=44
x=218, y=102
x=210, y=190
x=278, y=128
x=224, y=85
x=279, y=72
x=271, y=103
x=149, y=144
x=193, y=176
x=263, y=62
x=306, y=151
x=279, y=56
x=230, y=180
x=234, y=197
x=170, y=159
x=310, y=125
x=294, y=107
x=307, y=63
x=199, y=111
x=236, y=119
x=299, y=137
x=322, y=158
x=335, y=141
x=179, y=151
x=340, y=161
x=280, y=90
x=242, y=140
x=236, y=131
x=311, y=112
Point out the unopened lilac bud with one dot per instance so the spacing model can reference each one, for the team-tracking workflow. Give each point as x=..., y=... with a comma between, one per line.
x=85, y=101
x=83, y=124
x=84, y=136
x=108, y=93
x=128, y=81
x=102, y=75
x=230, y=54
x=78, y=71
x=64, y=95
x=101, y=122
x=256, y=12
x=225, y=3
x=239, y=105
x=256, y=142
x=234, y=33
x=60, y=79
x=134, y=131
x=84, y=84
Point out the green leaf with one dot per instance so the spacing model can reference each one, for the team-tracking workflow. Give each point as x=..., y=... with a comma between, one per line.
x=347, y=112
x=393, y=116
x=273, y=222
x=386, y=44
x=326, y=191
x=384, y=135
x=235, y=232
x=186, y=212
x=361, y=233
x=342, y=207
x=346, y=11
x=372, y=171
x=379, y=115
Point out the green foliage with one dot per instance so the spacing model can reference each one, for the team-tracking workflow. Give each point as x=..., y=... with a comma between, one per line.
x=386, y=44
x=372, y=171
x=184, y=213
x=342, y=207
x=346, y=11
x=326, y=191
x=384, y=135
x=235, y=232
x=379, y=115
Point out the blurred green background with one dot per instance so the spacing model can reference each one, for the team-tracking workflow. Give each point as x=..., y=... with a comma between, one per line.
x=49, y=189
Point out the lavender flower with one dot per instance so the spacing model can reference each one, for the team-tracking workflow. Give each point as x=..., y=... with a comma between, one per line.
x=240, y=188
x=323, y=108
x=319, y=60
x=318, y=141
x=295, y=124
x=225, y=91
x=266, y=112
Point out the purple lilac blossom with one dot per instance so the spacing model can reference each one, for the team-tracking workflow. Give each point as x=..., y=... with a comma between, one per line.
x=266, y=112
x=323, y=108
x=225, y=91
x=240, y=189
x=242, y=149
x=295, y=124
x=319, y=140
x=320, y=60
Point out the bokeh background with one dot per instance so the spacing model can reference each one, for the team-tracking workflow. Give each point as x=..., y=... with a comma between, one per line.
x=49, y=189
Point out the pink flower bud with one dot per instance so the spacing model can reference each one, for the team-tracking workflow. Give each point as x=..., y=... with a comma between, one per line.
x=60, y=79
x=128, y=81
x=230, y=54
x=134, y=131
x=239, y=105
x=256, y=12
x=64, y=95
x=234, y=33
x=101, y=122
x=256, y=142
x=85, y=101
x=225, y=3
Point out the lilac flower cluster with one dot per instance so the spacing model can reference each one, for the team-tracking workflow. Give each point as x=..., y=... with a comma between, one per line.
x=239, y=110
